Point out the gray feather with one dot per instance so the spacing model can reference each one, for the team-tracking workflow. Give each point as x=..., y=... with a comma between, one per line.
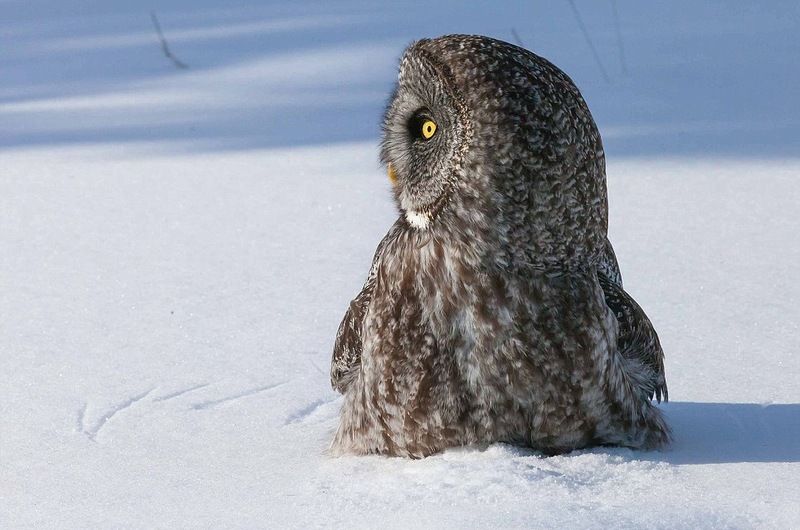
x=494, y=308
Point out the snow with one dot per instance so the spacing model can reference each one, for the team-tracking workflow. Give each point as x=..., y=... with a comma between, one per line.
x=178, y=248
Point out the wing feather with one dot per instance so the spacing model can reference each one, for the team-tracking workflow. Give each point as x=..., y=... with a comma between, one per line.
x=637, y=340
x=346, y=359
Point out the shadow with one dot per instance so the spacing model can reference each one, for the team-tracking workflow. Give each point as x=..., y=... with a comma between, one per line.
x=717, y=433
x=272, y=74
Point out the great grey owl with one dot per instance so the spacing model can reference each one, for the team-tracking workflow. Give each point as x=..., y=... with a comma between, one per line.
x=494, y=308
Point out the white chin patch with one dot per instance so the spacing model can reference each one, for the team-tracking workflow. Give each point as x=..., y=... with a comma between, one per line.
x=419, y=220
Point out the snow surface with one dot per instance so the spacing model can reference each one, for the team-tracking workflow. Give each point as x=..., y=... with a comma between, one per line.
x=177, y=248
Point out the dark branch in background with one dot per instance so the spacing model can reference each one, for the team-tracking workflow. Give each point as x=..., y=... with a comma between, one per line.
x=517, y=40
x=589, y=40
x=164, y=46
x=619, y=36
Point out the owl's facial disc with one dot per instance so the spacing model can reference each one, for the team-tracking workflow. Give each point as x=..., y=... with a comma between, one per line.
x=418, y=147
x=426, y=129
x=422, y=189
x=423, y=128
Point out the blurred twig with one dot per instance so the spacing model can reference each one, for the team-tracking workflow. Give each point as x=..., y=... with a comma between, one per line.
x=589, y=40
x=164, y=46
x=516, y=38
x=619, y=36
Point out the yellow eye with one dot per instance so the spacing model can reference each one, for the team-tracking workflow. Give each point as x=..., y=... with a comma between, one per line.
x=428, y=129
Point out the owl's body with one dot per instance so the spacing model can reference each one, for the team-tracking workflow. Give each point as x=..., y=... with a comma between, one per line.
x=494, y=309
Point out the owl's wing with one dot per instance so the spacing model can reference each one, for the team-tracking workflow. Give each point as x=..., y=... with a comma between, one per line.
x=637, y=340
x=608, y=266
x=346, y=360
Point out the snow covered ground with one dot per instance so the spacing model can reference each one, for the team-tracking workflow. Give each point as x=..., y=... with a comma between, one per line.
x=177, y=248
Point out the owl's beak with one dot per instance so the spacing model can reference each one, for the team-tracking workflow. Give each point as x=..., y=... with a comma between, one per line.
x=392, y=174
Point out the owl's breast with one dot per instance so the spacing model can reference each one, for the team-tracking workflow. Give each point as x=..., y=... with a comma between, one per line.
x=454, y=354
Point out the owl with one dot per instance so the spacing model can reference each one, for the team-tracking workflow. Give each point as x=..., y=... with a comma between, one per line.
x=494, y=309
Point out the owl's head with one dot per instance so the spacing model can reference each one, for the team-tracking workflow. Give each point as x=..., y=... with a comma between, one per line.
x=481, y=136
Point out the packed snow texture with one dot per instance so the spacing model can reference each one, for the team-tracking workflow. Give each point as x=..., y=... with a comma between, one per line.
x=177, y=248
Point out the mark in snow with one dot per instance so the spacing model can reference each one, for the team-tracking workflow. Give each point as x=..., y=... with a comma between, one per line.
x=209, y=404
x=179, y=393
x=94, y=431
x=82, y=418
x=300, y=415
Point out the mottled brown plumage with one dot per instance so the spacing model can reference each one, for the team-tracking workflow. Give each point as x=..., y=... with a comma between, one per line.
x=494, y=308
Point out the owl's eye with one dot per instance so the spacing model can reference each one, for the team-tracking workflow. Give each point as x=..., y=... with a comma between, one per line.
x=422, y=126
x=428, y=129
